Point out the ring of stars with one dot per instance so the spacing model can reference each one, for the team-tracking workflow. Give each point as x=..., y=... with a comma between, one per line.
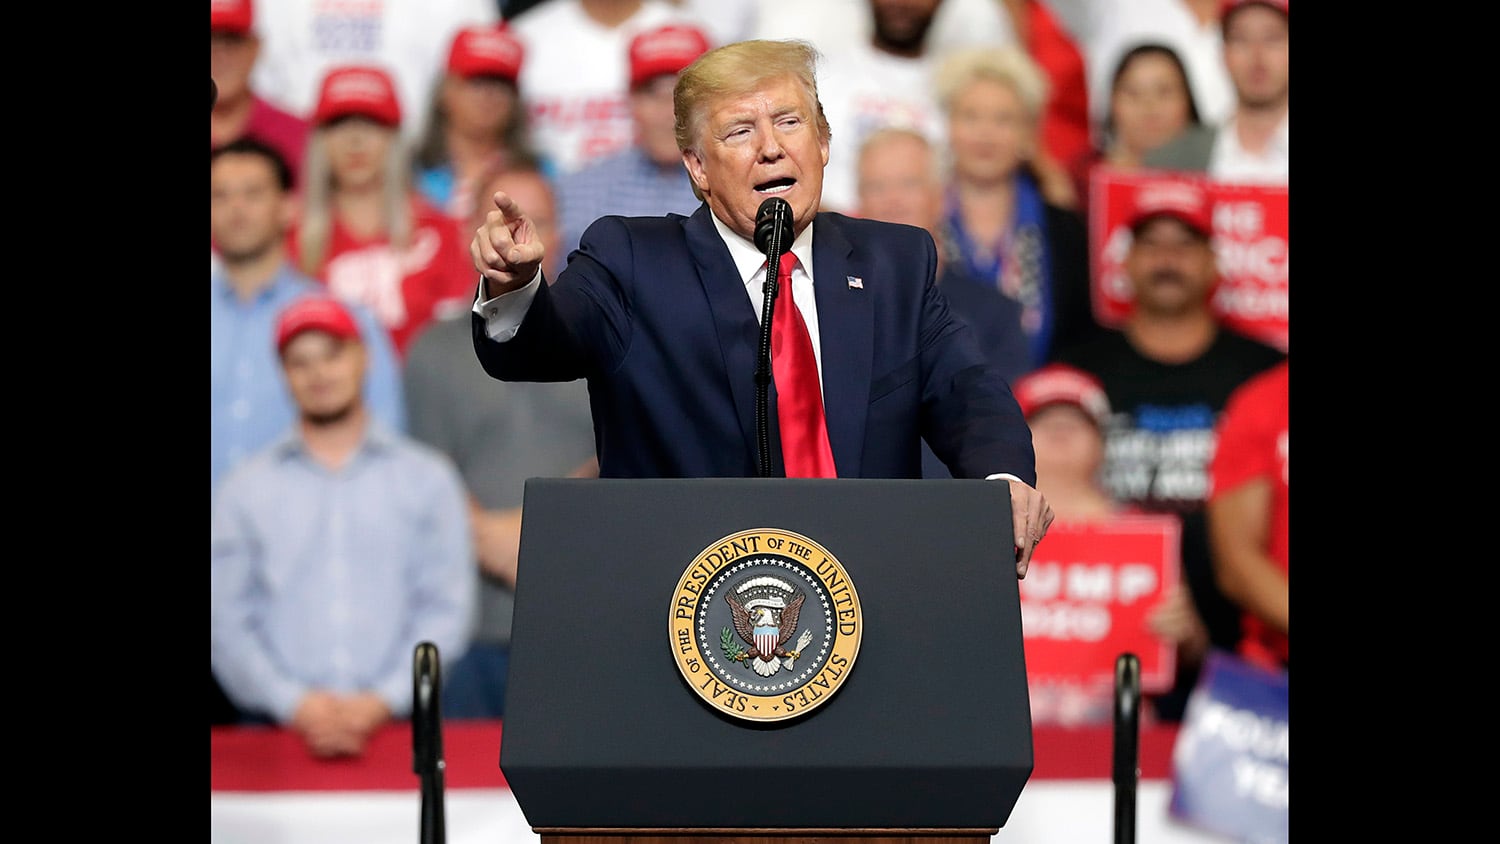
x=709, y=644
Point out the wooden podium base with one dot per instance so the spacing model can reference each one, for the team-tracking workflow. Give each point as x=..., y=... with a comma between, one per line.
x=560, y=835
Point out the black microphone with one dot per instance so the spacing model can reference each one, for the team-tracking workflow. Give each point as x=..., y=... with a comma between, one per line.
x=772, y=224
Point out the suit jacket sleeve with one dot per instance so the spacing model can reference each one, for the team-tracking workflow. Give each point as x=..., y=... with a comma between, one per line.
x=576, y=326
x=970, y=418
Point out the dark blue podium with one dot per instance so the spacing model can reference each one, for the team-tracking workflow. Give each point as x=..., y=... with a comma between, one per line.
x=611, y=734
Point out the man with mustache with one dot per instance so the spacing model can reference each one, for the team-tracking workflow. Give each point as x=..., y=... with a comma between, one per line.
x=1168, y=371
x=661, y=314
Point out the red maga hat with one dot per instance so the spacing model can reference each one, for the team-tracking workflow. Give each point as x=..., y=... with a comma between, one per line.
x=1228, y=7
x=314, y=313
x=666, y=49
x=1184, y=201
x=1059, y=383
x=486, y=51
x=362, y=90
x=234, y=16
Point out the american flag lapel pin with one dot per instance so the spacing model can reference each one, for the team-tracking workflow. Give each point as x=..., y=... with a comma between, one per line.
x=855, y=282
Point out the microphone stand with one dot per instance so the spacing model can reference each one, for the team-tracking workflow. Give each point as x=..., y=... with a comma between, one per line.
x=427, y=739
x=770, y=235
x=1127, y=727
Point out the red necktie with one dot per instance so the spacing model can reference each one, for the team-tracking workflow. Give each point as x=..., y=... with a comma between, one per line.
x=799, y=398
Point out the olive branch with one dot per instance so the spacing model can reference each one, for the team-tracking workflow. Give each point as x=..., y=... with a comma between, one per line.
x=731, y=648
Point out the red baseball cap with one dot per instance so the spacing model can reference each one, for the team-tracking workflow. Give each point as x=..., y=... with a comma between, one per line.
x=486, y=51
x=363, y=90
x=1059, y=383
x=1228, y=7
x=666, y=49
x=1184, y=201
x=233, y=16
x=314, y=313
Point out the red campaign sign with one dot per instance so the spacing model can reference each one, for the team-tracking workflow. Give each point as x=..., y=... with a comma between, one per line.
x=1087, y=595
x=1250, y=238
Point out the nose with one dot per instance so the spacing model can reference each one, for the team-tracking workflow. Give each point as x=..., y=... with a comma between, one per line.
x=770, y=145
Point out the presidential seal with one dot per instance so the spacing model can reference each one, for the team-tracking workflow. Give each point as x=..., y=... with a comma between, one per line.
x=765, y=625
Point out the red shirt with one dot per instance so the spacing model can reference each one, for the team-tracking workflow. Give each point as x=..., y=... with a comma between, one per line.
x=1252, y=444
x=404, y=289
x=281, y=130
x=1065, y=119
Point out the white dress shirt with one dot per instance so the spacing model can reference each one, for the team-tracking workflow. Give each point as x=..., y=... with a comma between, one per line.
x=751, y=264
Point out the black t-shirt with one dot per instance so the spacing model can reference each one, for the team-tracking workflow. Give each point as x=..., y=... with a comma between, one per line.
x=1161, y=431
x=1160, y=441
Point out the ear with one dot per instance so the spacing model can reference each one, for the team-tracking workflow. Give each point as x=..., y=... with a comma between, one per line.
x=694, y=165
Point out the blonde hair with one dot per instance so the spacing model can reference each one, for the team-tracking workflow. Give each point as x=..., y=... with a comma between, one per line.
x=1010, y=66
x=316, y=228
x=737, y=69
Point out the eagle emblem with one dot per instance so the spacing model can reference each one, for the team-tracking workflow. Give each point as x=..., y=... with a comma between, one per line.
x=760, y=631
x=765, y=611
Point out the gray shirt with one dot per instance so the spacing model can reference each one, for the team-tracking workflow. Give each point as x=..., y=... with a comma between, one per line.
x=498, y=433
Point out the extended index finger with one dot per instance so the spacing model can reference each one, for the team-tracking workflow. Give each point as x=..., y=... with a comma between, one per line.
x=507, y=206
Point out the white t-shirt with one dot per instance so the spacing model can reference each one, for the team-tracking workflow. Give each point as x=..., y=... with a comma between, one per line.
x=1231, y=162
x=727, y=21
x=863, y=89
x=834, y=25
x=302, y=39
x=576, y=77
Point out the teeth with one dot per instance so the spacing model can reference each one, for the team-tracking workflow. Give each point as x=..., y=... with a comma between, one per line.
x=780, y=189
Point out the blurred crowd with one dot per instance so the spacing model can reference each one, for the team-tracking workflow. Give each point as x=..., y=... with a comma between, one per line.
x=367, y=474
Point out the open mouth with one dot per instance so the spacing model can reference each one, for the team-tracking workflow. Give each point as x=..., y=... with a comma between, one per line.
x=775, y=186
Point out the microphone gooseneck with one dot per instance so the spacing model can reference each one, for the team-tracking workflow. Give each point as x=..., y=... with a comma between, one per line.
x=773, y=228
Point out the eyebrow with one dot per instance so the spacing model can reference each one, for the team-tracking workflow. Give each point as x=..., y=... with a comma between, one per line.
x=749, y=116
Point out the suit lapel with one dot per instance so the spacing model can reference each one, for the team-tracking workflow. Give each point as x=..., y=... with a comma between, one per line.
x=846, y=333
x=734, y=318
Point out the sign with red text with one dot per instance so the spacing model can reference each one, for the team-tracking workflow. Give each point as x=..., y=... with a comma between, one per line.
x=1087, y=596
x=1250, y=239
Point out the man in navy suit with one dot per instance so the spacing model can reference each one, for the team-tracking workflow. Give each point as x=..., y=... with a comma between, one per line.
x=661, y=314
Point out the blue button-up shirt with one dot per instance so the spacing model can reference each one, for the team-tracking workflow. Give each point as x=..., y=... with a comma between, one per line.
x=626, y=183
x=251, y=405
x=328, y=579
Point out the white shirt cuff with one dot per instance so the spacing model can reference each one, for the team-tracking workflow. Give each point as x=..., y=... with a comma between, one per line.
x=503, y=314
x=1003, y=476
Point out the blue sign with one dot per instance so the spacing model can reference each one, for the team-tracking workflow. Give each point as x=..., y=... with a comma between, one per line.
x=1231, y=759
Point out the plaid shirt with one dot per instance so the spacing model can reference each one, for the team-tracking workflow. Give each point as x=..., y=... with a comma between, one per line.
x=626, y=183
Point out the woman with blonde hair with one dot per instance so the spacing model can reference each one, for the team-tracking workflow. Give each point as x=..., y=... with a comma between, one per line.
x=363, y=230
x=1027, y=254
